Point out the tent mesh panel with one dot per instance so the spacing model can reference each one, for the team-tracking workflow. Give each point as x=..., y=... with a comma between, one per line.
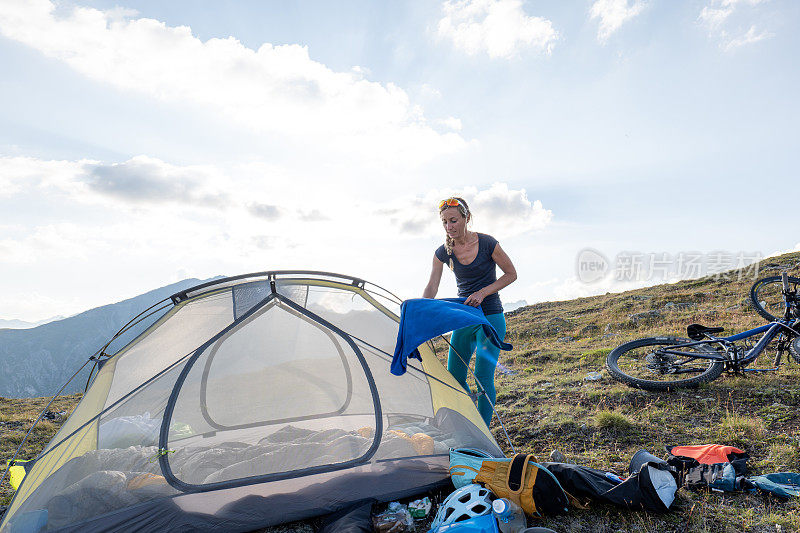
x=279, y=392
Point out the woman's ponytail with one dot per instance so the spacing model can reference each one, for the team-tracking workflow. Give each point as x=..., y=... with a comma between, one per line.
x=448, y=247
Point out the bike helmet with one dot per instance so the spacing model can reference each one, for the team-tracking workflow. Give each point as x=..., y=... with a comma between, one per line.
x=467, y=502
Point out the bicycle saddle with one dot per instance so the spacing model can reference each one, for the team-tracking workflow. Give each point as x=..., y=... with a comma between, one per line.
x=697, y=332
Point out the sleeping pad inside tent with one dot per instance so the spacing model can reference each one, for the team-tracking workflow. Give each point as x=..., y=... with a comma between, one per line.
x=252, y=401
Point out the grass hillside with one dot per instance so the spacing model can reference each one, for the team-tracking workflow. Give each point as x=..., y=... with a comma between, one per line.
x=548, y=404
x=16, y=417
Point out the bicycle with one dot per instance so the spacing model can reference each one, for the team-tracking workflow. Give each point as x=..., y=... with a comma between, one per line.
x=668, y=363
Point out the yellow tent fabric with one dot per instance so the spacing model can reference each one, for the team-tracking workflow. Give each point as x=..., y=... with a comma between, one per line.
x=15, y=475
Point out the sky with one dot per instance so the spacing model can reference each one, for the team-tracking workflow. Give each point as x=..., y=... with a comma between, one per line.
x=146, y=142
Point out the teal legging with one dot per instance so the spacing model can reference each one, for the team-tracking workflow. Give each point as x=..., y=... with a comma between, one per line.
x=465, y=341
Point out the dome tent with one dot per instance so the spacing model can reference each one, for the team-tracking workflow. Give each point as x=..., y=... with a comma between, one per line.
x=251, y=401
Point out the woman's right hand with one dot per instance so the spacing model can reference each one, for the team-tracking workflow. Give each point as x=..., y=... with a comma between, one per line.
x=475, y=299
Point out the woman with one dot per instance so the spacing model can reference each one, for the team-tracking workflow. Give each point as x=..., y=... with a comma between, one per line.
x=472, y=257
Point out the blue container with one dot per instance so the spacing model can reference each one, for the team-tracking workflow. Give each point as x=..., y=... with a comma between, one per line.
x=479, y=524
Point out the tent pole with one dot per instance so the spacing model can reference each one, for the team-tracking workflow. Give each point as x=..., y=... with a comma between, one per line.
x=513, y=450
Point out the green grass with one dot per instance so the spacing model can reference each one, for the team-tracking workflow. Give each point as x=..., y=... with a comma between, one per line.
x=784, y=457
x=613, y=420
x=595, y=357
x=741, y=430
x=16, y=417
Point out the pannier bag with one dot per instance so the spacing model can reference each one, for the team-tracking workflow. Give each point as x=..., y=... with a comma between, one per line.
x=709, y=466
x=708, y=454
x=525, y=482
x=718, y=467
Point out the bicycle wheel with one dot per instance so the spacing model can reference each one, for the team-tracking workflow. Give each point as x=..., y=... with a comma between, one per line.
x=766, y=296
x=794, y=349
x=643, y=365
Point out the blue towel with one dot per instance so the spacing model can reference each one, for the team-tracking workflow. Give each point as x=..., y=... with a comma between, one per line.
x=422, y=319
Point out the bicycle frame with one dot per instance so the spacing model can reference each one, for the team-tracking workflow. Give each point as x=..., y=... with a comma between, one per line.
x=770, y=331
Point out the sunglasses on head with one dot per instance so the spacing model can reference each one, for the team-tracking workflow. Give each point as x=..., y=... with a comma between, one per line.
x=450, y=202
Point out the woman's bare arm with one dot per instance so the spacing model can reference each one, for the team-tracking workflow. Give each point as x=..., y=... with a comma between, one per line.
x=436, y=276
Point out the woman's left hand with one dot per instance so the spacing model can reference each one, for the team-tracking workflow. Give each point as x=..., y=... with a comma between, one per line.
x=475, y=298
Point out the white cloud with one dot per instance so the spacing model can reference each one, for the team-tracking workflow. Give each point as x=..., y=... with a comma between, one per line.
x=266, y=211
x=729, y=3
x=427, y=91
x=139, y=182
x=450, y=123
x=18, y=174
x=53, y=241
x=314, y=215
x=724, y=19
x=613, y=14
x=752, y=36
x=148, y=185
x=273, y=90
x=716, y=13
x=498, y=210
x=713, y=17
x=35, y=304
x=508, y=212
x=499, y=28
x=148, y=180
x=13, y=251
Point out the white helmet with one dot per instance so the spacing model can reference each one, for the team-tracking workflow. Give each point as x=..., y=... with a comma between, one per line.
x=467, y=502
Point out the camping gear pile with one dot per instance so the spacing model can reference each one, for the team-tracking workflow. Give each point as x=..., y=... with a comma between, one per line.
x=474, y=508
x=251, y=401
x=651, y=484
x=550, y=487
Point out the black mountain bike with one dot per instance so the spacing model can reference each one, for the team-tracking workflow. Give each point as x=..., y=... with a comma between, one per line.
x=668, y=363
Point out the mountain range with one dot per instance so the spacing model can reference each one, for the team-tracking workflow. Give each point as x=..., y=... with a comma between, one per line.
x=24, y=324
x=36, y=361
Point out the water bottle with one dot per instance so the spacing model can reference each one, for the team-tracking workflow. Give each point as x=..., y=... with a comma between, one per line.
x=509, y=516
